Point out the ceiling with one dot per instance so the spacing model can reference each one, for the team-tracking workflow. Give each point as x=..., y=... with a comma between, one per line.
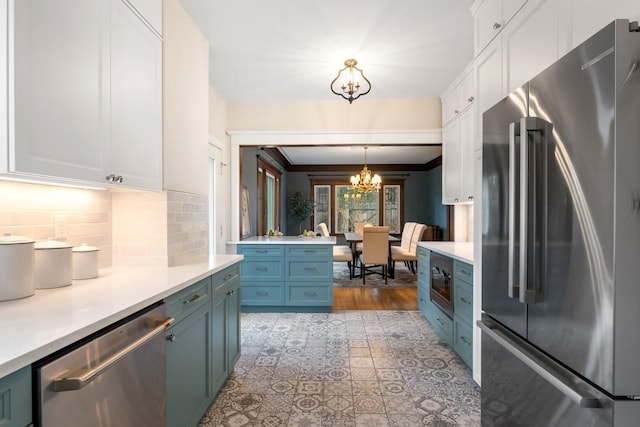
x=291, y=50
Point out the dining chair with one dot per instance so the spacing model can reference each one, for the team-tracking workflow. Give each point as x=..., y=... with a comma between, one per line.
x=409, y=255
x=375, y=251
x=341, y=253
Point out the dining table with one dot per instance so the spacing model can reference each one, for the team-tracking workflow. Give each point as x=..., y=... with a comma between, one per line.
x=354, y=238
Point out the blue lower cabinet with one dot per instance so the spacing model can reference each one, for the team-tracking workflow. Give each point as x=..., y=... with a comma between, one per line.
x=293, y=277
x=443, y=324
x=15, y=399
x=189, y=388
x=463, y=340
x=203, y=344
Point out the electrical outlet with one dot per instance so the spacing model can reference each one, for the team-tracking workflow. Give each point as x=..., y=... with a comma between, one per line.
x=60, y=226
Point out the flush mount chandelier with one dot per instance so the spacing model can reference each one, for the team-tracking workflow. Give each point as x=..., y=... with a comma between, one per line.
x=349, y=81
x=367, y=181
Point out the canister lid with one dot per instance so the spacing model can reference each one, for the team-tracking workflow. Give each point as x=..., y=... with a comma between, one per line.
x=51, y=244
x=85, y=248
x=10, y=239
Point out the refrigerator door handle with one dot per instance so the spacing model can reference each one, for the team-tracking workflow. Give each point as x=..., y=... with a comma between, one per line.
x=528, y=231
x=539, y=366
x=512, y=282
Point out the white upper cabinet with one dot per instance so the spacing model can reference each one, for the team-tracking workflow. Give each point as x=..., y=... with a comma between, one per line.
x=531, y=42
x=4, y=96
x=457, y=159
x=489, y=83
x=490, y=17
x=150, y=11
x=58, y=89
x=581, y=19
x=84, y=94
x=459, y=96
x=136, y=101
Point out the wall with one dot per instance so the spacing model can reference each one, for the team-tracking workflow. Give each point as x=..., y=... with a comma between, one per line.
x=159, y=229
x=363, y=114
x=185, y=95
x=30, y=210
x=434, y=210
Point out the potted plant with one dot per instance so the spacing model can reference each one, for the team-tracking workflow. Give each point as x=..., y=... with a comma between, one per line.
x=300, y=207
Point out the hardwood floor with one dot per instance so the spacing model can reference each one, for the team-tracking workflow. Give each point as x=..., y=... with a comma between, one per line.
x=375, y=299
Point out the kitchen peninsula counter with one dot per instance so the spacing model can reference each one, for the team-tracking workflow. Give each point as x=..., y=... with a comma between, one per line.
x=287, y=240
x=462, y=251
x=48, y=321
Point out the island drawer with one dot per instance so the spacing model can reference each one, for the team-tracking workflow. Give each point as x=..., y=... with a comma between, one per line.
x=265, y=269
x=309, y=250
x=309, y=270
x=463, y=340
x=463, y=301
x=261, y=250
x=256, y=293
x=309, y=294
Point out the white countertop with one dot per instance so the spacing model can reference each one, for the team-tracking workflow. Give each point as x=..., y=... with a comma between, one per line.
x=287, y=240
x=462, y=251
x=51, y=319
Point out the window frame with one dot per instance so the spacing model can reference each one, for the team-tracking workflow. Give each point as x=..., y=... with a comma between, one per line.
x=263, y=169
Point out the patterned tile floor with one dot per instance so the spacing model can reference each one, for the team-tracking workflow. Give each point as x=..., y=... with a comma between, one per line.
x=350, y=368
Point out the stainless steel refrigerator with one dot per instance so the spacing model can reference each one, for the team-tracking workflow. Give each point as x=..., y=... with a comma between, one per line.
x=561, y=242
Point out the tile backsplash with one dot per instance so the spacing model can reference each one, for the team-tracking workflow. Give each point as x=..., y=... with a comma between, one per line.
x=130, y=227
x=31, y=210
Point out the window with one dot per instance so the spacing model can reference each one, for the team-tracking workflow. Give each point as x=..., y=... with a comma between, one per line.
x=340, y=208
x=322, y=205
x=269, y=179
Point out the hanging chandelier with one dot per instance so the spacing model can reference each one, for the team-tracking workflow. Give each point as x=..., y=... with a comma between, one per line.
x=350, y=79
x=366, y=181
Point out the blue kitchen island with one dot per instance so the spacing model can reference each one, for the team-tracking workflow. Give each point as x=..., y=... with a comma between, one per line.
x=286, y=274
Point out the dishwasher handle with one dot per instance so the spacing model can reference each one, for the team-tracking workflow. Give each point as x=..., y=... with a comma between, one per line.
x=82, y=377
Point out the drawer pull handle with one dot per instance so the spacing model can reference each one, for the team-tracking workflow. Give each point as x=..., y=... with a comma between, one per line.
x=262, y=268
x=464, y=300
x=440, y=321
x=261, y=251
x=496, y=26
x=171, y=337
x=311, y=294
x=310, y=251
x=262, y=293
x=193, y=299
x=230, y=292
x=466, y=341
x=228, y=277
x=310, y=269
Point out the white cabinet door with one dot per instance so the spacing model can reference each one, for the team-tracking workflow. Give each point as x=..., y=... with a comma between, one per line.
x=467, y=132
x=4, y=84
x=487, y=23
x=582, y=19
x=530, y=42
x=58, y=89
x=136, y=101
x=489, y=83
x=150, y=10
x=451, y=167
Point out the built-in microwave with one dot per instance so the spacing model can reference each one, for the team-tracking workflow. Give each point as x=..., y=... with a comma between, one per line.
x=441, y=289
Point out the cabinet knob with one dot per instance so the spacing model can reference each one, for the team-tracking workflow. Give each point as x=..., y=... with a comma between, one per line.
x=113, y=178
x=171, y=337
x=230, y=292
x=456, y=199
x=471, y=99
x=470, y=197
x=496, y=26
x=455, y=111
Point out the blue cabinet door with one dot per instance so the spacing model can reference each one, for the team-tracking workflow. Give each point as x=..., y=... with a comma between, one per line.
x=15, y=398
x=189, y=390
x=233, y=324
x=219, y=347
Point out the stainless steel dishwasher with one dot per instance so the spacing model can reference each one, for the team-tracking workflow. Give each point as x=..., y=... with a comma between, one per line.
x=115, y=378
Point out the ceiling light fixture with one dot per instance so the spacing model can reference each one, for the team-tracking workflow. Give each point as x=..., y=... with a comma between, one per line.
x=366, y=182
x=350, y=81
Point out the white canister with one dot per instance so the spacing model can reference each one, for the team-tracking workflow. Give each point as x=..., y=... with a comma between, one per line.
x=52, y=264
x=16, y=267
x=85, y=262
